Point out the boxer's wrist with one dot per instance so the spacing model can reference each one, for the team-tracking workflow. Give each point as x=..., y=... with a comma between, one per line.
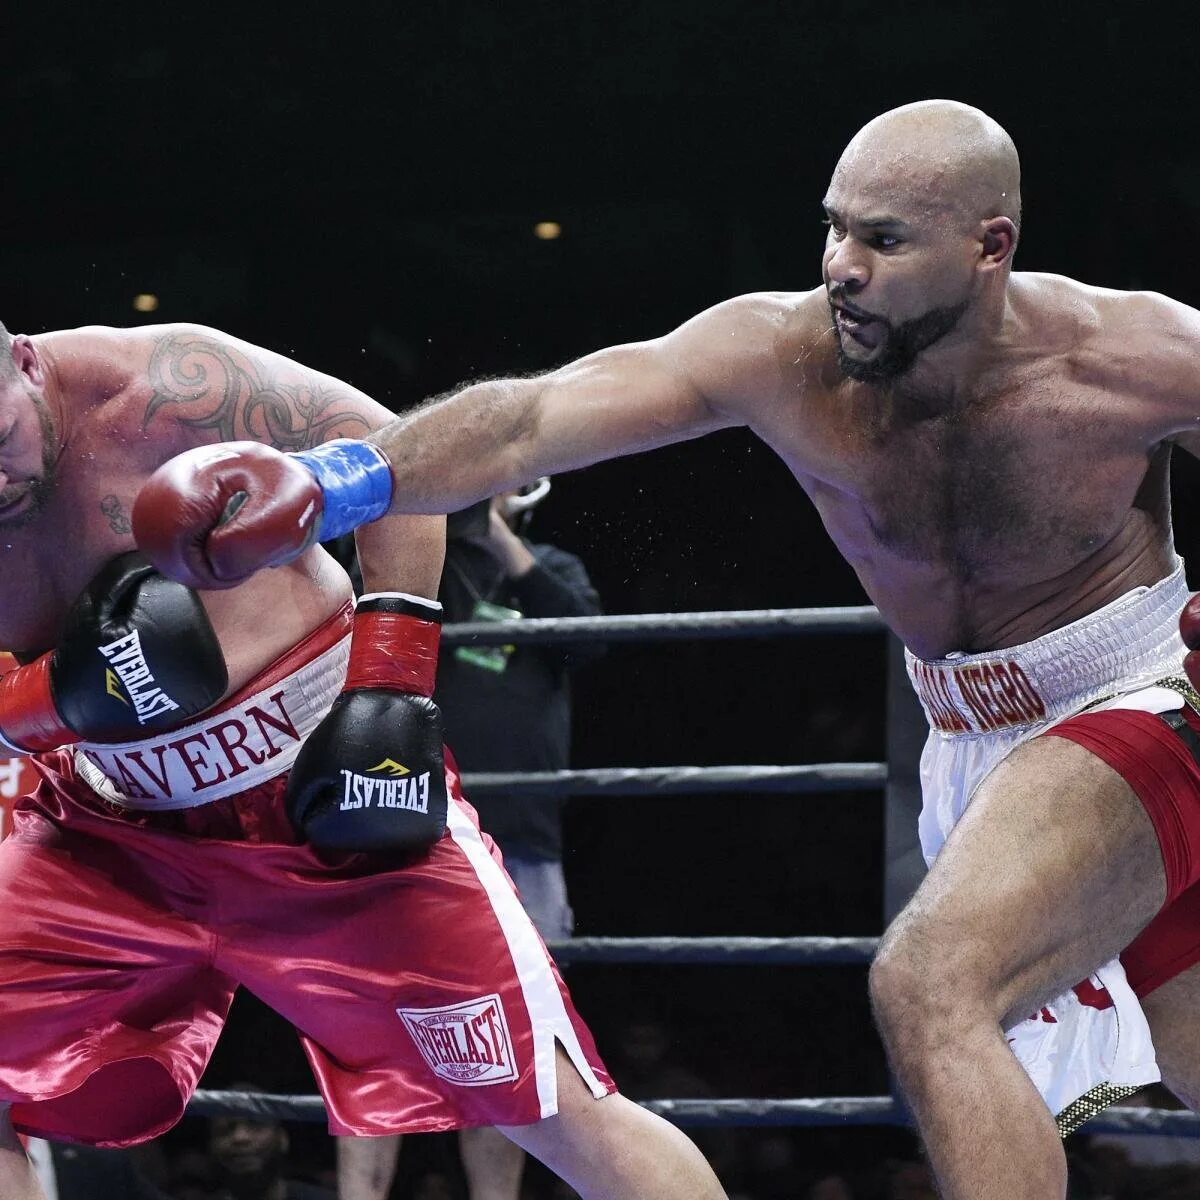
x=356, y=483
x=394, y=643
x=29, y=719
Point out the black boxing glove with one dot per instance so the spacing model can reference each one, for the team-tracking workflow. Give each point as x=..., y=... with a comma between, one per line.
x=137, y=655
x=371, y=776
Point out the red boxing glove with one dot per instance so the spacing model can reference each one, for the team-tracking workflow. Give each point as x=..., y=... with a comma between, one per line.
x=212, y=516
x=1189, y=630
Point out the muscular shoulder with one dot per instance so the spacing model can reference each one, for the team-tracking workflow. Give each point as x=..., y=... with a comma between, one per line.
x=1112, y=333
x=94, y=363
x=207, y=385
x=766, y=317
x=739, y=351
x=1141, y=350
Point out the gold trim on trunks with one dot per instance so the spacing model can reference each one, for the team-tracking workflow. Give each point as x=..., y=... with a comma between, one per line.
x=1177, y=683
x=1091, y=1103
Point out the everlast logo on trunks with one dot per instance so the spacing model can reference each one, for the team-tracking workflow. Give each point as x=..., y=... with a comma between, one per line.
x=129, y=672
x=978, y=697
x=389, y=784
x=465, y=1043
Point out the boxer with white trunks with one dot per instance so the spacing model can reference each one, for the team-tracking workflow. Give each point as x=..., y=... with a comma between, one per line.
x=248, y=787
x=990, y=450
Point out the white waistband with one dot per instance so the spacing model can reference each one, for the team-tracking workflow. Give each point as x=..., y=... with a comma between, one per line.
x=1126, y=644
x=226, y=751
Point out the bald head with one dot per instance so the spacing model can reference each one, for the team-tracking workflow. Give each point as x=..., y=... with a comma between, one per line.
x=923, y=209
x=938, y=157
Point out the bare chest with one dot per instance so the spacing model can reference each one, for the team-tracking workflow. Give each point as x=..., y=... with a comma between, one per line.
x=1001, y=488
x=46, y=562
x=978, y=493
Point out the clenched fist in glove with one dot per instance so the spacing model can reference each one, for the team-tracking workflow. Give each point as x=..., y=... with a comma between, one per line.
x=212, y=516
x=371, y=776
x=1189, y=629
x=137, y=656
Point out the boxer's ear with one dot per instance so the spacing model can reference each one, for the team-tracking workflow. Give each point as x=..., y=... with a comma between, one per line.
x=26, y=360
x=999, y=240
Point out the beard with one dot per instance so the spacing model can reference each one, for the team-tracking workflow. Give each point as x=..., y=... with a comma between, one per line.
x=41, y=487
x=901, y=345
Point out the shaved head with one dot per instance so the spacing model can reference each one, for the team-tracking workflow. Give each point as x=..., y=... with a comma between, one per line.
x=938, y=155
x=923, y=212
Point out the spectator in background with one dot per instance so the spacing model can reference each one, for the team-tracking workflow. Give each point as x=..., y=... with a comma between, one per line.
x=508, y=708
x=830, y=1187
x=249, y=1157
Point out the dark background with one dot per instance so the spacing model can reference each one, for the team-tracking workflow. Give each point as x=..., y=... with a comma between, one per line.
x=356, y=185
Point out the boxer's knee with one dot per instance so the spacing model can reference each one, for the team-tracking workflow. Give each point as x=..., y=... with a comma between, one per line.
x=923, y=983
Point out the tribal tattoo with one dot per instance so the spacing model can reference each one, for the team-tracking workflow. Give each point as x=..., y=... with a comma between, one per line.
x=208, y=385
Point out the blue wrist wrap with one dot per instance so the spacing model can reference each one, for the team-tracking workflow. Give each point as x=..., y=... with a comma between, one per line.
x=356, y=479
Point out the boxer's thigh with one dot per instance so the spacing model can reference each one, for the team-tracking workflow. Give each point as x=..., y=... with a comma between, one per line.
x=84, y=934
x=425, y=984
x=1053, y=869
x=108, y=1000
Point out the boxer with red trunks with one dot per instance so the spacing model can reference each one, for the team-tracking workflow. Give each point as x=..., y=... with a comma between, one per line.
x=990, y=450
x=247, y=787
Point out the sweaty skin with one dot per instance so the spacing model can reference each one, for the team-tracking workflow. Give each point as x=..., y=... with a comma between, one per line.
x=94, y=411
x=990, y=452
x=1011, y=480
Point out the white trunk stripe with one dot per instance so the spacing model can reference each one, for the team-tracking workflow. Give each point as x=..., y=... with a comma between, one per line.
x=547, y=1012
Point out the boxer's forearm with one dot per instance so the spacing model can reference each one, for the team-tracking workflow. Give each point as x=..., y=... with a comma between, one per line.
x=471, y=445
x=499, y=434
x=402, y=554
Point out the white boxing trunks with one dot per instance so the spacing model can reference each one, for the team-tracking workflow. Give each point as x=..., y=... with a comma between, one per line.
x=1091, y=1045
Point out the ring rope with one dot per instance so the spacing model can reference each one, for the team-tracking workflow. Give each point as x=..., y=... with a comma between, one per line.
x=825, y=1110
x=676, y=781
x=645, y=627
x=836, y=1110
x=727, y=951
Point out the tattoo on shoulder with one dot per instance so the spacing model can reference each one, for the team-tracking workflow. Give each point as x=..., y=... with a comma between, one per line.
x=114, y=510
x=207, y=385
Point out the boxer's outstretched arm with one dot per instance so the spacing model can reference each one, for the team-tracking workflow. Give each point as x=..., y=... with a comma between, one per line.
x=498, y=434
x=208, y=387
x=215, y=514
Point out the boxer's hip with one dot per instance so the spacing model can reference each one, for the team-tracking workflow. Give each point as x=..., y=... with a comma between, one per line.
x=980, y=707
x=1092, y=1044
x=251, y=738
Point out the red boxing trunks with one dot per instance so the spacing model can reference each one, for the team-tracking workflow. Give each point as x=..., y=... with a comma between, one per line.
x=424, y=997
x=1158, y=759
